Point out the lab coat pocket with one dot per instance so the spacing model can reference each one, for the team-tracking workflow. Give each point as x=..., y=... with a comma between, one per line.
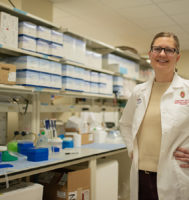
x=182, y=183
x=180, y=116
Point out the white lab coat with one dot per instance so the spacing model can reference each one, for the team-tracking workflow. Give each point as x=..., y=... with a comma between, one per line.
x=172, y=180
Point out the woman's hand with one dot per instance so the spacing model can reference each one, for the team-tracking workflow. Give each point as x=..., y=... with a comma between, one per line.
x=182, y=154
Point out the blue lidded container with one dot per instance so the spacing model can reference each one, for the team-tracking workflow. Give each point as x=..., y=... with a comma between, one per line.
x=37, y=154
x=67, y=143
x=24, y=146
x=55, y=149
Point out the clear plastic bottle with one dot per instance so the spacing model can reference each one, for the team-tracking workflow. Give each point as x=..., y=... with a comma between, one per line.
x=42, y=140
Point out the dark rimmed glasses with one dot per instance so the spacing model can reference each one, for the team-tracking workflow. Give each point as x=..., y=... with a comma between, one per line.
x=167, y=50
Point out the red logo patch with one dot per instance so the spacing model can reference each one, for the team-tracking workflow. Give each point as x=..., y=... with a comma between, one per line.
x=182, y=94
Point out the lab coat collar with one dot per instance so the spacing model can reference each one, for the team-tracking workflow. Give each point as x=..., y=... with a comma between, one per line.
x=176, y=83
x=145, y=89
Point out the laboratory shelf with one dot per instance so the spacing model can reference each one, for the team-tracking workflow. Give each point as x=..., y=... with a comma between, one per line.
x=134, y=79
x=13, y=107
x=74, y=108
x=85, y=95
x=6, y=50
x=103, y=48
x=15, y=89
x=68, y=62
x=25, y=89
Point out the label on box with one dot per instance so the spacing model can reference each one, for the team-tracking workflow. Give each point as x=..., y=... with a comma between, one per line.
x=72, y=195
x=85, y=195
x=123, y=70
x=12, y=76
x=61, y=194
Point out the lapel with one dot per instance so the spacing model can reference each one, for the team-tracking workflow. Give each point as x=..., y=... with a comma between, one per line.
x=145, y=92
x=143, y=95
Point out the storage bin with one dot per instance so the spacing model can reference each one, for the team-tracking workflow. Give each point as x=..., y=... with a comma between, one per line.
x=37, y=154
x=24, y=146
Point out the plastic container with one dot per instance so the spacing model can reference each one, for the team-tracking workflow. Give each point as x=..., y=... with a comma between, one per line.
x=55, y=149
x=37, y=154
x=12, y=146
x=99, y=135
x=2, y=148
x=42, y=140
x=57, y=142
x=6, y=157
x=67, y=143
x=24, y=146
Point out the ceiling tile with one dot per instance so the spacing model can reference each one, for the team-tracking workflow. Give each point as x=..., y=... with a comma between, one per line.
x=116, y=4
x=182, y=19
x=175, y=7
x=164, y=1
x=141, y=12
x=175, y=29
x=154, y=22
x=185, y=28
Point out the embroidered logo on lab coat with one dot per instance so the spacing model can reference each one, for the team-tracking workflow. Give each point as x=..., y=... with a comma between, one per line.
x=182, y=94
x=182, y=100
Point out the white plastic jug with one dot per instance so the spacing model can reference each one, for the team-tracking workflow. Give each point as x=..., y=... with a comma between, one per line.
x=99, y=135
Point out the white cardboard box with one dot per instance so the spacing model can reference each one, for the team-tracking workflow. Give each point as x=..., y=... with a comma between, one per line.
x=23, y=191
x=107, y=180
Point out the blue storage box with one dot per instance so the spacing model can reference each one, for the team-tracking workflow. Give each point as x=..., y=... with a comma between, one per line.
x=38, y=154
x=24, y=146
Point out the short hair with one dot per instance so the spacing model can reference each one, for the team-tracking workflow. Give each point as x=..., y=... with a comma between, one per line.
x=167, y=34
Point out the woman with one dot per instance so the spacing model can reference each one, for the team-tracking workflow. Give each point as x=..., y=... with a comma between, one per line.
x=155, y=127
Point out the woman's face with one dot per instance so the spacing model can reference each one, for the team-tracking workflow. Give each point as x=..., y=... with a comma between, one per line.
x=164, y=60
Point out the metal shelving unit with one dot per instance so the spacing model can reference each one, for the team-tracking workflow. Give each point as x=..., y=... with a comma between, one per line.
x=85, y=95
x=103, y=48
x=6, y=50
x=34, y=94
x=86, y=67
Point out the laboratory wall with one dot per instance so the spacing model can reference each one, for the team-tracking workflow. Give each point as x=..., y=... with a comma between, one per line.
x=106, y=26
x=17, y=3
x=40, y=8
x=183, y=64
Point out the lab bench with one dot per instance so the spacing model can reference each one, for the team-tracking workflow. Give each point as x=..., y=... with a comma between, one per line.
x=86, y=153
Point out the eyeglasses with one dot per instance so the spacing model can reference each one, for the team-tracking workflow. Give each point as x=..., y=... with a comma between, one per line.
x=167, y=50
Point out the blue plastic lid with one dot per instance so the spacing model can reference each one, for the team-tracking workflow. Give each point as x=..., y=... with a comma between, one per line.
x=38, y=150
x=25, y=144
x=61, y=136
x=5, y=165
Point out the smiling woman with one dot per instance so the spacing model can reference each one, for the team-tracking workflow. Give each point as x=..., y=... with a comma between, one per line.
x=155, y=129
x=164, y=54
